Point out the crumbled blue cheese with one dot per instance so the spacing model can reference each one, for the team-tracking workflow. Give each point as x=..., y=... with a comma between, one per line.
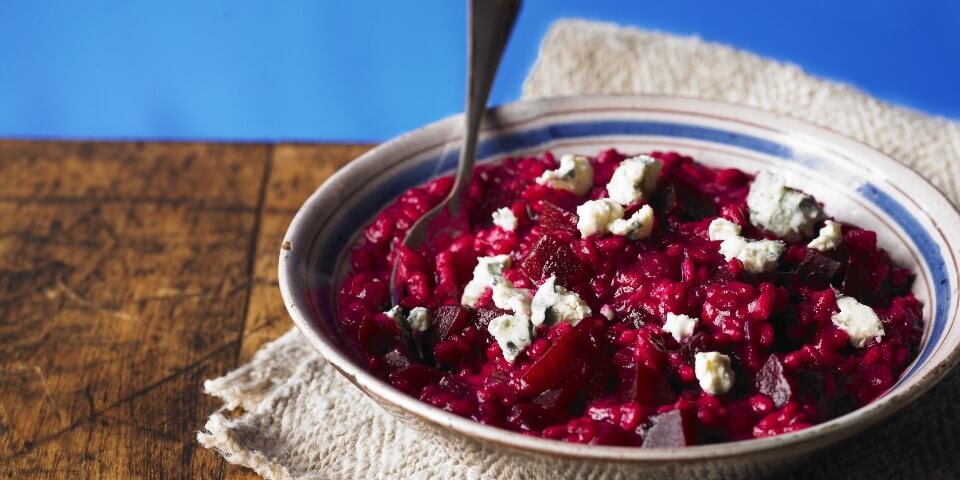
x=485, y=275
x=859, y=321
x=575, y=174
x=505, y=219
x=713, y=372
x=757, y=256
x=782, y=210
x=509, y=297
x=680, y=326
x=829, y=237
x=396, y=314
x=512, y=333
x=637, y=227
x=634, y=179
x=552, y=303
x=597, y=215
x=419, y=319
x=723, y=229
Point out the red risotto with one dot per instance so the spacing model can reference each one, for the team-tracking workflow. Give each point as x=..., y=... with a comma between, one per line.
x=641, y=300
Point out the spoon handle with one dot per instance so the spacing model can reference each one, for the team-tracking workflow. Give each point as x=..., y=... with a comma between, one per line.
x=490, y=23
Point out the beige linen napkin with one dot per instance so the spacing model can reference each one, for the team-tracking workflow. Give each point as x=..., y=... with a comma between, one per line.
x=301, y=420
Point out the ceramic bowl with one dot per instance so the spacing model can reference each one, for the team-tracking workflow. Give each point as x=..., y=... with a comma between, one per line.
x=856, y=183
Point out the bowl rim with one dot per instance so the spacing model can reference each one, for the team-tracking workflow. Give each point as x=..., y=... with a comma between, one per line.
x=294, y=253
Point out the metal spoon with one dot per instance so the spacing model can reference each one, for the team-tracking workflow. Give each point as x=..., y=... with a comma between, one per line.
x=490, y=23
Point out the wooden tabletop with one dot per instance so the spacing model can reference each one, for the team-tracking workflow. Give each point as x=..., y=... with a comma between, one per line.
x=132, y=272
x=129, y=274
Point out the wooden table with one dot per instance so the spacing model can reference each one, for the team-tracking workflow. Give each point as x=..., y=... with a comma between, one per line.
x=129, y=274
x=132, y=272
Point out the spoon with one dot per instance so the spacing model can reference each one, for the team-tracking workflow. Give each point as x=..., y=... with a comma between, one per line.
x=490, y=23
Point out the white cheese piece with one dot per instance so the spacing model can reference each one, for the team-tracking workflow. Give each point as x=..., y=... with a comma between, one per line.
x=608, y=312
x=829, y=237
x=509, y=297
x=723, y=229
x=634, y=179
x=757, y=256
x=637, y=227
x=485, y=275
x=714, y=372
x=575, y=174
x=395, y=314
x=419, y=319
x=505, y=219
x=859, y=321
x=512, y=333
x=784, y=211
x=557, y=303
x=680, y=326
x=597, y=215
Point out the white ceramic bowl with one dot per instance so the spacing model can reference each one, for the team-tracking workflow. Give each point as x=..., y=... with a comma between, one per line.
x=856, y=184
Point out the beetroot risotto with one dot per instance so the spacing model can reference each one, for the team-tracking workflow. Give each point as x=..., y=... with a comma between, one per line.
x=645, y=301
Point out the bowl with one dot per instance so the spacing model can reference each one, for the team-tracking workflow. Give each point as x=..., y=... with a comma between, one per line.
x=856, y=184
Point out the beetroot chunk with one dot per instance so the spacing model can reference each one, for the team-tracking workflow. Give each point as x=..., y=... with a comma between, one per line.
x=668, y=430
x=551, y=256
x=772, y=382
x=554, y=218
x=450, y=319
x=647, y=386
x=569, y=366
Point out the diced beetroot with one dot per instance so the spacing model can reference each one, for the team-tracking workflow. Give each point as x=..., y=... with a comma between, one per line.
x=772, y=381
x=414, y=378
x=816, y=269
x=553, y=218
x=668, y=430
x=644, y=385
x=679, y=198
x=866, y=278
x=377, y=336
x=860, y=240
x=450, y=319
x=570, y=365
x=532, y=417
x=550, y=256
x=451, y=395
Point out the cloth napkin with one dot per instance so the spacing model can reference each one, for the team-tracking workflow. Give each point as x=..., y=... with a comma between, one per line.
x=301, y=420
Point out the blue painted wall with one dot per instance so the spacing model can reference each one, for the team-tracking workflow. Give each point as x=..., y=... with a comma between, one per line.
x=368, y=70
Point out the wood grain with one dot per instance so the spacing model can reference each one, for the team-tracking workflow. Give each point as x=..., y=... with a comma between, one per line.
x=296, y=171
x=130, y=273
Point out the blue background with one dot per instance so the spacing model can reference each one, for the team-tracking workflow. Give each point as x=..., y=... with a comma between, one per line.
x=367, y=70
